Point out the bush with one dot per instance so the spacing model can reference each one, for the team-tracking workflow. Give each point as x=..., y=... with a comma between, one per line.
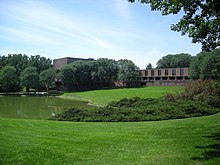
x=200, y=90
x=136, y=109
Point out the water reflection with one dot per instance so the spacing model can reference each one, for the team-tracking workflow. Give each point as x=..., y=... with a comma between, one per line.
x=29, y=107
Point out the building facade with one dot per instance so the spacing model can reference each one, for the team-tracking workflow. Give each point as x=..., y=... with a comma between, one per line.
x=59, y=63
x=164, y=76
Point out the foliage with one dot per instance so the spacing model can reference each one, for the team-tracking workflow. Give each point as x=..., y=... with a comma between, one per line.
x=8, y=79
x=137, y=109
x=47, y=78
x=201, y=19
x=67, y=75
x=41, y=63
x=127, y=71
x=106, y=71
x=30, y=78
x=207, y=91
x=149, y=66
x=102, y=73
x=175, y=61
x=21, y=62
x=206, y=65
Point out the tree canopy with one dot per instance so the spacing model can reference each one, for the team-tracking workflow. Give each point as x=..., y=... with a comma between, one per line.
x=102, y=72
x=206, y=65
x=8, y=79
x=127, y=71
x=149, y=66
x=201, y=19
x=47, y=78
x=175, y=61
x=30, y=78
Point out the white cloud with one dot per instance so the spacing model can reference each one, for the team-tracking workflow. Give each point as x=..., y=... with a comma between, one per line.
x=39, y=15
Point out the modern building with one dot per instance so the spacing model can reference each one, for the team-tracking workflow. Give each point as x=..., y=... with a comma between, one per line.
x=59, y=63
x=164, y=76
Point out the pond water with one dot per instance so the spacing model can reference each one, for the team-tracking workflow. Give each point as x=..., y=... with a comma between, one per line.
x=31, y=107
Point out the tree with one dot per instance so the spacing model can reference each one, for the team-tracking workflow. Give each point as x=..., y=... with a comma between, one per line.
x=127, y=71
x=3, y=61
x=41, y=63
x=201, y=19
x=105, y=71
x=67, y=75
x=149, y=66
x=205, y=65
x=9, y=79
x=175, y=61
x=30, y=78
x=47, y=78
x=19, y=61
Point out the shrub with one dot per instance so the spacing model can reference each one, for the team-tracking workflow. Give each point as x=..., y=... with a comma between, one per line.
x=200, y=90
x=136, y=109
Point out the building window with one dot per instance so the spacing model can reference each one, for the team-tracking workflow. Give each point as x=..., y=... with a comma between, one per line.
x=146, y=72
x=181, y=71
x=166, y=72
x=159, y=72
x=152, y=72
x=174, y=72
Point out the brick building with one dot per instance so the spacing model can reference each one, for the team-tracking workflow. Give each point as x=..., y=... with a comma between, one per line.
x=58, y=63
x=164, y=76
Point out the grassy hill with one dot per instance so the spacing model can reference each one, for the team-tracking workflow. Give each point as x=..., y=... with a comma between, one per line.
x=103, y=97
x=183, y=141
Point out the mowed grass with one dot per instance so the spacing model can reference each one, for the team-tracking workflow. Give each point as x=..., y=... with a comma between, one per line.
x=103, y=97
x=179, y=142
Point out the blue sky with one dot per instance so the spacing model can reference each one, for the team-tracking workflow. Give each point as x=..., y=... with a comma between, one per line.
x=113, y=29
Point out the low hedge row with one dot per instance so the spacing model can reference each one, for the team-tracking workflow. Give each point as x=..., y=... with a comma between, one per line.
x=137, y=109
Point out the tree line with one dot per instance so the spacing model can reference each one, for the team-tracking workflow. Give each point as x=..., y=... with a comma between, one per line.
x=36, y=72
x=102, y=72
x=17, y=71
x=205, y=65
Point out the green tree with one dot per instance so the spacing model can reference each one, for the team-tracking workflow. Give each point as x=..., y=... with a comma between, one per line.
x=41, y=63
x=30, y=78
x=127, y=71
x=205, y=65
x=175, y=61
x=149, y=66
x=194, y=71
x=201, y=19
x=104, y=71
x=8, y=78
x=3, y=61
x=47, y=78
x=68, y=75
x=19, y=61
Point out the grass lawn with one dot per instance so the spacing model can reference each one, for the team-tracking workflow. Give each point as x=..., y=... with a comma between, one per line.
x=103, y=97
x=183, y=141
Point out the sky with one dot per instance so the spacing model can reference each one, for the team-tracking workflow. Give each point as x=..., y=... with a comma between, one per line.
x=113, y=29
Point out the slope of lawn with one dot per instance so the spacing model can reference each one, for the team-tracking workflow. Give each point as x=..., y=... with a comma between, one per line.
x=103, y=97
x=183, y=141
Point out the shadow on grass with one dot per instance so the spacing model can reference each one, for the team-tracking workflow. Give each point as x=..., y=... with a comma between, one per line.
x=211, y=151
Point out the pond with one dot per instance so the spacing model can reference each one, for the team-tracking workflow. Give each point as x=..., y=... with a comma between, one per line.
x=32, y=107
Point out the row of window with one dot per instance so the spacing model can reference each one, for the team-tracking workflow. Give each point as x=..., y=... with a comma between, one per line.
x=166, y=72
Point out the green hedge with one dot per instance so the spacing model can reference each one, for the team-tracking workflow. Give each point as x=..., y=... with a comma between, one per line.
x=137, y=109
